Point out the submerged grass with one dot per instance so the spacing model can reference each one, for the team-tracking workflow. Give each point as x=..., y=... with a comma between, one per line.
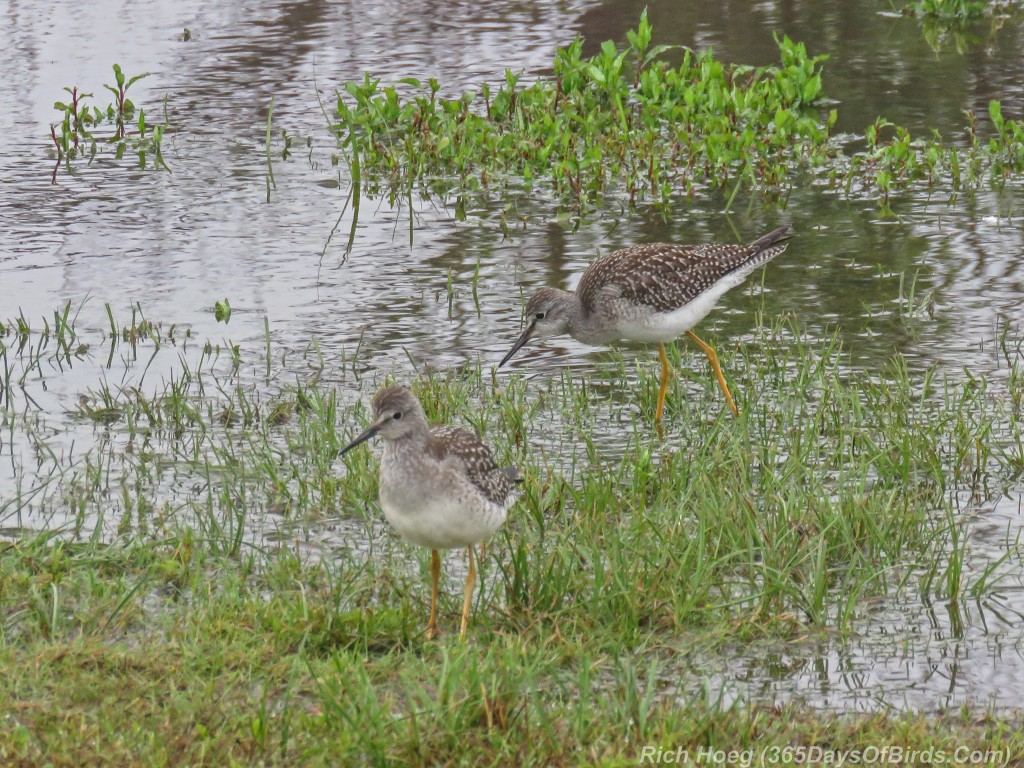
x=216, y=587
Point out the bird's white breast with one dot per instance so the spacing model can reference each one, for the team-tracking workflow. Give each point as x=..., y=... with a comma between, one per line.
x=432, y=505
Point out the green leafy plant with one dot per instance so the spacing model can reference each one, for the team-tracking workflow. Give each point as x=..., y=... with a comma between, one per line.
x=222, y=310
x=85, y=128
x=627, y=123
x=622, y=120
x=948, y=10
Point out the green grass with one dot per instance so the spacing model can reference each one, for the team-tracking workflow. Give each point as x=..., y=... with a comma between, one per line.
x=217, y=696
x=182, y=635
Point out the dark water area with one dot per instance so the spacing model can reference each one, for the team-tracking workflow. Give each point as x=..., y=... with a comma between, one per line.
x=174, y=244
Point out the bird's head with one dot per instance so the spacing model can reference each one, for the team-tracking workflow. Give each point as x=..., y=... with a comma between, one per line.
x=547, y=314
x=396, y=412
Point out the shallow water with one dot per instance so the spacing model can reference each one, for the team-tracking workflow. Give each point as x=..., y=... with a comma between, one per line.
x=174, y=244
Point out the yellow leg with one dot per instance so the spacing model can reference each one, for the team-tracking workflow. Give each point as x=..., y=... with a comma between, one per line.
x=435, y=576
x=665, y=373
x=470, y=581
x=713, y=359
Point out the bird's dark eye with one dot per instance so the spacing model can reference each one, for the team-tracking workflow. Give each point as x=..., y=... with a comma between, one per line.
x=540, y=315
x=398, y=415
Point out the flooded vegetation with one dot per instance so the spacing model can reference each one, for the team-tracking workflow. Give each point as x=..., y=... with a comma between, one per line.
x=85, y=127
x=188, y=571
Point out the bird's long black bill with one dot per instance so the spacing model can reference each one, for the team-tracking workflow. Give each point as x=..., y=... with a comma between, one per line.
x=369, y=432
x=523, y=338
x=782, y=233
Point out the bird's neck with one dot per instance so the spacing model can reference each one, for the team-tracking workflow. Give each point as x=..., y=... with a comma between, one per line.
x=575, y=315
x=582, y=324
x=415, y=441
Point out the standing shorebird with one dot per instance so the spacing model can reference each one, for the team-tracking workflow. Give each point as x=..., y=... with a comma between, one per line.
x=653, y=292
x=440, y=487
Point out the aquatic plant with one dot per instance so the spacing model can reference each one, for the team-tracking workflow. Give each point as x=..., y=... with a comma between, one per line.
x=626, y=122
x=192, y=537
x=84, y=129
x=948, y=10
x=624, y=118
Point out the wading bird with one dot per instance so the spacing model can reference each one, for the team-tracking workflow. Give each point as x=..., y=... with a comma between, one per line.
x=654, y=293
x=440, y=487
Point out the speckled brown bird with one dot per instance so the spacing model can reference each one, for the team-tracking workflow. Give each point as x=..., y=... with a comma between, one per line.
x=440, y=487
x=654, y=293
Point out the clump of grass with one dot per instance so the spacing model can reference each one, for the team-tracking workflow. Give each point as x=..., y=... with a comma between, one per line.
x=85, y=129
x=825, y=494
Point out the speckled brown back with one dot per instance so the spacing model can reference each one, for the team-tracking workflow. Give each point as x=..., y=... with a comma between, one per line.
x=664, y=276
x=494, y=482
